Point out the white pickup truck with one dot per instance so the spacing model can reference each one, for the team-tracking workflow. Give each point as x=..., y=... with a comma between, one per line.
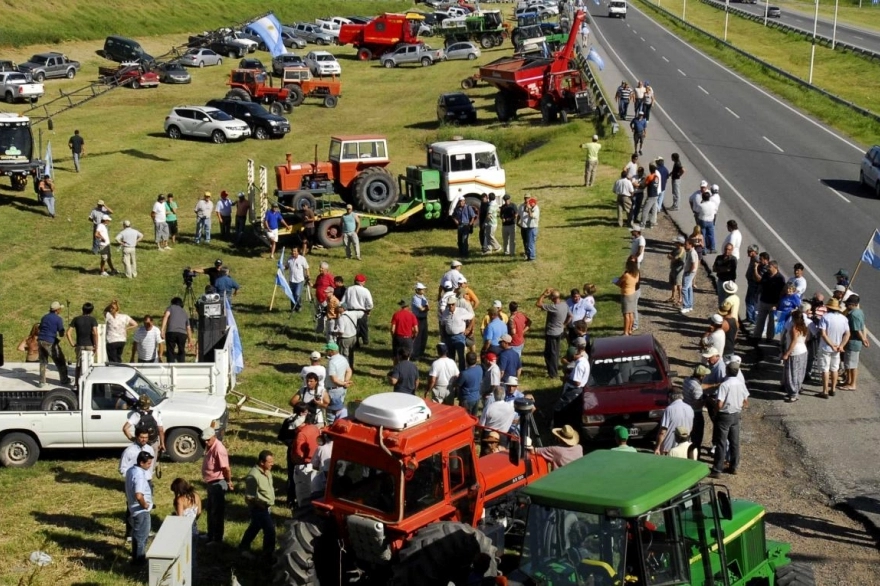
x=16, y=87
x=190, y=397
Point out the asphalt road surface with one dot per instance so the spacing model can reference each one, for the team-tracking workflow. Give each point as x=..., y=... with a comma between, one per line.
x=792, y=184
x=857, y=37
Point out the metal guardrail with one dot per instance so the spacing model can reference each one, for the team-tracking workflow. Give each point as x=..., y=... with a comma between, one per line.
x=820, y=39
x=791, y=77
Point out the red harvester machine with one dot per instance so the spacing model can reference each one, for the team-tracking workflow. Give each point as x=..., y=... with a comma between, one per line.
x=553, y=85
x=381, y=34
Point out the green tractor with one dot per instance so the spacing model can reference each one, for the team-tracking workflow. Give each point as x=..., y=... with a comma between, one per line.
x=618, y=519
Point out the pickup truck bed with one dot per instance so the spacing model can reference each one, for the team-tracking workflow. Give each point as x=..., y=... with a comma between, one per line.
x=20, y=390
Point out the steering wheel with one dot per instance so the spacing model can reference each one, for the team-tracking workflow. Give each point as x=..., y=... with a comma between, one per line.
x=641, y=371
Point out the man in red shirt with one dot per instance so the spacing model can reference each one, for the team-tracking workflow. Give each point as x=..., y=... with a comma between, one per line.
x=518, y=324
x=217, y=475
x=299, y=456
x=404, y=329
x=324, y=280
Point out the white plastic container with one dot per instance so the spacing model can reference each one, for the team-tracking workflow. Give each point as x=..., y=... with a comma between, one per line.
x=392, y=410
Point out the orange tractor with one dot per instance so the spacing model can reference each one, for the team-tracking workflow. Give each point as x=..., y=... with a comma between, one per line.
x=254, y=85
x=301, y=84
x=409, y=499
x=356, y=170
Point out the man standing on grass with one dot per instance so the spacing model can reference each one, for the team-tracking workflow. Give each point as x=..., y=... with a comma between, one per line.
x=509, y=217
x=491, y=242
x=140, y=443
x=218, y=477
x=147, y=342
x=464, y=217
x=204, y=210
x=160, y=226
x=242, y=207
x=419, y=307
x=530, y=215
x=171, y=217
x=623, y=189
x=224, y=214
x=260, y=497
x=139, y=497
x=592, y=162
x=298, y=268
x=272, y=222
x=351, y=223
x=77, y=147
x=404, y=329
x=128, y=239
x=95, y=216
x=176, y=331
x=557, y=319
x=86, y=328
x=102, y=237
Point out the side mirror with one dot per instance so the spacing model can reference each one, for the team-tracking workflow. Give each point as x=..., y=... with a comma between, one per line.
x=206, y=119
x=724, y=506
x=514, y=451
x=247, y=114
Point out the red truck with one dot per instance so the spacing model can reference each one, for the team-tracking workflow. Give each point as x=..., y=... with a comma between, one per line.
x=378, y=36
x=132, y=74
x=629, y=385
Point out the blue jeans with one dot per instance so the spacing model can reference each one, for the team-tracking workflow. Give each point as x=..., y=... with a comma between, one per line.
x=708, y=229
x=203, y=225
x=636, y=208
x=457, y=345
x=753, y=297
x=531, y=239
x=518, y=349
x=660, y=200
x=687, y=291
x=49, y=202
x=296, y=289
x=261, y=520
x=622, y=107
x=140, y=531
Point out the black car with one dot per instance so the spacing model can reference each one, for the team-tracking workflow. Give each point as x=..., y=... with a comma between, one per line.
x=172, y=72
x=251, y=63
x=456, y=108
x=263, y=124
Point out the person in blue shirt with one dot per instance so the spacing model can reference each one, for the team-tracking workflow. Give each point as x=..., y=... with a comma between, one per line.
x=351, y=223
x=639, y=127
x=493, y=332
x=664, y=179
x=469, y=383
x=226, y=285
x=272, y=221
x=464, y=218
x=509, y=362
x=52, y=326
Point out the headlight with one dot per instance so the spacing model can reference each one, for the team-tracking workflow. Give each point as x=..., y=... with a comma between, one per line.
x=273, y=123
x=656, y=414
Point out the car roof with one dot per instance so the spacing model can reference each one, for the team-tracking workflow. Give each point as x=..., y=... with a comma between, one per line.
x=349, y=137
x=49, y=54
x=319, y=53
x=205, y=109
x=622, y=346
x=630, y=484
x=447, y=94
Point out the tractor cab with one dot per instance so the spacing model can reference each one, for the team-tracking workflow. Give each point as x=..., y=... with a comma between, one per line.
x=468, y=168
x=249, y=77
x=296, y=75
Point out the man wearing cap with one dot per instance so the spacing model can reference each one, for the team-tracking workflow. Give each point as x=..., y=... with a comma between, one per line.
x=404, y=329
x=224, y=215
x=639, y=128
x=692, y=393
x=451, y=276
x=464, y=217
x=419, y=307
x=338, y=382
x=842, y=278
x=706, y=211
x=139, y=498
x=637, y=244
x=469, y=384
x=493, y=331
x=730, y=289
x=677, y=414
x=217, y=475
x=225, y=285
x=454, y=325
x=272, y=222
x=259, y=495
x=204, y=209
x=834, y=334
x=160, y=226
x=441, y=377
x=697, y=197
x=717, y=370
x=488, y=318
x=683, y=447
x=315, y=367
x=592, y=161
x=298, y=277
x=623, y=189
x=128, y=239
x=732, y=398
x=509, y=217
x=621, y=436
x=530, y=215
x=676, y=174
x=95, y=216
x=351, y=223
x=714, y=335
x=102, y=238
x=491, y=443
x=491, y=377
x=557, y=319
x=213, y=272
x=858, y=338
x=242, y=207
x=567, y=450
x=574, y=383
x=51, y=327
x=358, y=298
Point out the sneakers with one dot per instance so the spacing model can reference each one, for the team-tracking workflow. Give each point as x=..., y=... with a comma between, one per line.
x=105, y=274
x=686, y=310
x=715, y=474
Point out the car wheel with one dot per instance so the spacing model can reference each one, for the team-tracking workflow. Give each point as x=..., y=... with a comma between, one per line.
x=201, y=63
x=39, y=77
x=136, y=84
x=472, y=56
x=10, y=98
x=426, y=62
x=330, y=101
x=173, y=132
x=218, y=137
x=260, y=133
x=71, y=73
x=232, y=54
x=320, y=42
x=389, y=64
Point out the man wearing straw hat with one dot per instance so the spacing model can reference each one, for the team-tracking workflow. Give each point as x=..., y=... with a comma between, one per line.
x=568, y=450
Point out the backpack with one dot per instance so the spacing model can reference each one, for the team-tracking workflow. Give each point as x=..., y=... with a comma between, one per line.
x=287, y=431
x=149, y=423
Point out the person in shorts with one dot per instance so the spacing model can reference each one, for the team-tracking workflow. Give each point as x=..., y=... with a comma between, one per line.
x=160, y=223
x=858, y=339
x=833, y=338
x=272, y=222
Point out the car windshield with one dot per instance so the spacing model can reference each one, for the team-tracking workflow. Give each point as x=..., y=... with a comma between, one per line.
x=622, y=370
x=457, y=100
x=39, y=59
x=142, y=386
x=326, y=58
x=175, y=67
x=220, y=116
x=16, y=78
x=571, y=547
x=365, y=486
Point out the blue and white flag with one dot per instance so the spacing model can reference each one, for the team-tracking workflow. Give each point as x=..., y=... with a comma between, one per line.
x=237, y=354
x=595, y=58
x=871, y=255
x=269, y=30
x=280, y=280
x=49, y=168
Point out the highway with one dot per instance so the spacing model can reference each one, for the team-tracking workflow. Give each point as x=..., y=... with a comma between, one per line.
x=857, y=37
x=790, y=182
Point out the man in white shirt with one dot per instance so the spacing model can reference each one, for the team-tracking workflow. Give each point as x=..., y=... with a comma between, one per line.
x=500, y=415
x=316, y=367
x=697, y=196
x=798, y=280
x=734, y=238
x=128, y=239
x=833, y=336
x=102, y=239
x=357, y=297
x=441, y=377
x=160, y=225
x=637, y=244
x=147, y=343
x=576, y=380
x=204, y=210
x=451, y=276
x=623, y=189
x=298, y=269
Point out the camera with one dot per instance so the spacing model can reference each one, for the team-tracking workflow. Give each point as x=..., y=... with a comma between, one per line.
x=188, y=276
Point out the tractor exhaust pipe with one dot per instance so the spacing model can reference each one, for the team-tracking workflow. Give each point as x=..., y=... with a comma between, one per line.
x=289, y=158
x=525, y=408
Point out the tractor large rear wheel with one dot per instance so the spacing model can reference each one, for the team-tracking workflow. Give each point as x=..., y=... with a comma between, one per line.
x=504, y=107
x=442, y=553
x=305, y=555
x=297, y=96
x=795, y=575
x=375, y=190
x=237, y=93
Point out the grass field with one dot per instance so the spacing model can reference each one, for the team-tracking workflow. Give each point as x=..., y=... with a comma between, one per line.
x=69, y=504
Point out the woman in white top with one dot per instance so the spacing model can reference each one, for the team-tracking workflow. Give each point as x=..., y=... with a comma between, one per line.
x=794, y=359
x=117, y=326
x=187, y=503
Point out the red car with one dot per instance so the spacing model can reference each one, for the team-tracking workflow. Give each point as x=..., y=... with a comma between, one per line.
x=134, y=71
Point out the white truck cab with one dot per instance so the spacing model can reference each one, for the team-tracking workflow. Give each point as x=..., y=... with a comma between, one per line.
x=468, y=168
x=617, y=9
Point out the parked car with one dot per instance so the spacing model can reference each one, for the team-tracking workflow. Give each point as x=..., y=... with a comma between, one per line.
x=251, y=63
x=412, y=53
x=43, y=65
x=869, y=174
x=463, y=50
x=200, y=58
x=123, y=49
x=331, y=28
x=312, y=33
x=16, y=86
x=242, y=39
x=263, y=124
x=204, y=122
x=455, y=108
x=285, y=60
x=774, y=12
x=542, y=12
x=291, y=41
x=173, y=72
x=322, y=63
x=551, y=7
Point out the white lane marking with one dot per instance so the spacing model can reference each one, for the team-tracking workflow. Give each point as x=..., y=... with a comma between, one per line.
x=725, y=180
x=837, y=193
x=735, y=115
x=665, y=59
x=773, y=144
x=702, y=89
x=753, y=86
x=682, y=72
x=652, y=48
x=643, y=39
x=635, y=31
x=859, y=38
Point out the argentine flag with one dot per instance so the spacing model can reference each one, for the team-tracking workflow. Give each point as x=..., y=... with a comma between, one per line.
x=280, y=280
x=237, y=354
x=269, y=30
x=871, y=255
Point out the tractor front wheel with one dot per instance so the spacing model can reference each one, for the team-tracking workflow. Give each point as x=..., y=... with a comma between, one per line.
x=375, y=190
x=276, y=108
x=330, y=233
x=487, y=42
x=237, y=93
x=297, y=96
x=301, y=197
x=442, y=553
x=306, y=553
x=330, y=101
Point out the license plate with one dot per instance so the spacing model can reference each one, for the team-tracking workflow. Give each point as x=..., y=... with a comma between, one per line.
x=634, y=432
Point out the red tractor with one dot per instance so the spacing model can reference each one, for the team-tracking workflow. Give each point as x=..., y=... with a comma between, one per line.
x=356, y=171
x=254, y=85
x=553, y=85
x=409, y=499
x=381, y=34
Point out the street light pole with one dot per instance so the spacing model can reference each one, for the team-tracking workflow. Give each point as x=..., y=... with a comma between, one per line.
x=684, y=10
x=726, y=17
x=834, y=30
x=766, y=9
x=813, y=49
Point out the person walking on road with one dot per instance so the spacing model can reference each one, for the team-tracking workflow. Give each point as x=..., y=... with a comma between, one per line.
x=732, y=398
x=675, y=175
x=260, y=497
x=217, y=475
x=648, y=101
x=77, y=147
x=128, y=239
x=592, y=162
x=639, y=127
x=623, y=95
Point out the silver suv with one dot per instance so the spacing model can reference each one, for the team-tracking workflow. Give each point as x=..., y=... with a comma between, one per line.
x=414, y=53
x=204, y=122
x=869, y=174
x=313, y=33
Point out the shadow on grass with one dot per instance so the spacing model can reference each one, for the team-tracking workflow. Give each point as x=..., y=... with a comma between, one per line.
x=80, y=270
x=31, y=209
x=63, y=476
